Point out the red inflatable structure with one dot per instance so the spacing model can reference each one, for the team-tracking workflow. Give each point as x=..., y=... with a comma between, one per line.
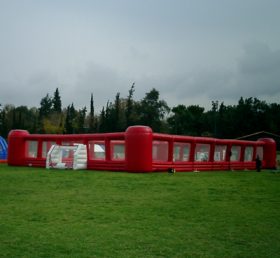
x=138, y=149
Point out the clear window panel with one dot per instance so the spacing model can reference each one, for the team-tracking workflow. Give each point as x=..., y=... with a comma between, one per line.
x=202, y=152
x=160, y=150
x=68, y=153
x=220, y=153
x=260, y=152
x=46, y=147
x=248, y=155
x=181, y=151
x=32, y=149
x=235, y=153
x=177, y=153
x=117, y=150
x=97, y=150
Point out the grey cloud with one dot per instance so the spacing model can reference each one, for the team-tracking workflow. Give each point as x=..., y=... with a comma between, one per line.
x=190, y=52
x=259, y=70
x=102, y=81
x=257, y=74
x=27, y=91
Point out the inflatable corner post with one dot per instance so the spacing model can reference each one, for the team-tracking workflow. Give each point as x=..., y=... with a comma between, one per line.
x=17, y=149
x=269, y=153
x=138, y=151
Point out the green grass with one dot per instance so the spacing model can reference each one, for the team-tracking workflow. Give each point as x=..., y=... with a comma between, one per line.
x=54, y=213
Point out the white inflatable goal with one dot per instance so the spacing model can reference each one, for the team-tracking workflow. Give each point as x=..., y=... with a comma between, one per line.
x=67, y=157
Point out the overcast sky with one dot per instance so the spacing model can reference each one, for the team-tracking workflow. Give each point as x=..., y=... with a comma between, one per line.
x=191, y=51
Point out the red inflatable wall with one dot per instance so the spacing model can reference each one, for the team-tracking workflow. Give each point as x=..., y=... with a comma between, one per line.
x=140, y=150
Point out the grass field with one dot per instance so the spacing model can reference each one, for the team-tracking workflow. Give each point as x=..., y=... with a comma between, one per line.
x=52, y=213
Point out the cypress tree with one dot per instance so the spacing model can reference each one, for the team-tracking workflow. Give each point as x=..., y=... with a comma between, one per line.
x=56, y=101
x=129, y=106
x=91, y=115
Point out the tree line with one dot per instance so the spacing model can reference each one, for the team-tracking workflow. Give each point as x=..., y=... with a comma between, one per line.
x=222, y=121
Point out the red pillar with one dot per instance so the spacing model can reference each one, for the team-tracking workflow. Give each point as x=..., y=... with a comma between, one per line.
x=269, y=152
x=16, y=147
x=138, y=148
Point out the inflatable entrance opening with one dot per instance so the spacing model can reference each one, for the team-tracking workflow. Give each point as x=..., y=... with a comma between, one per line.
x=138, y=149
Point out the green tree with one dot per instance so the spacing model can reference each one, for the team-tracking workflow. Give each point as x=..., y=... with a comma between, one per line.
x=196, y=120
x=102, y=121
x=178, y=121
x=50, y=114
x=151, y=111
x=45, y=106
x=3, y=126
x=91, y=115
x=222, y=121
x=81, y=117
x=109, y=125
x=7, y=119
x=246, y=117
x=56, y=102
x=129, y=111
x=20, y=117
x=271, y=118
x=53, y=124
x=114, y=111
x=118, y=114
x=69, y=126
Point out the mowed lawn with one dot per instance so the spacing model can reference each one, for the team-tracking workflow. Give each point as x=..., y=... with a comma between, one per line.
x=56, y=213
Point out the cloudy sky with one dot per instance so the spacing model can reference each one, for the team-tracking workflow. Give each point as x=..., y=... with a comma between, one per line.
x=191, y=51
